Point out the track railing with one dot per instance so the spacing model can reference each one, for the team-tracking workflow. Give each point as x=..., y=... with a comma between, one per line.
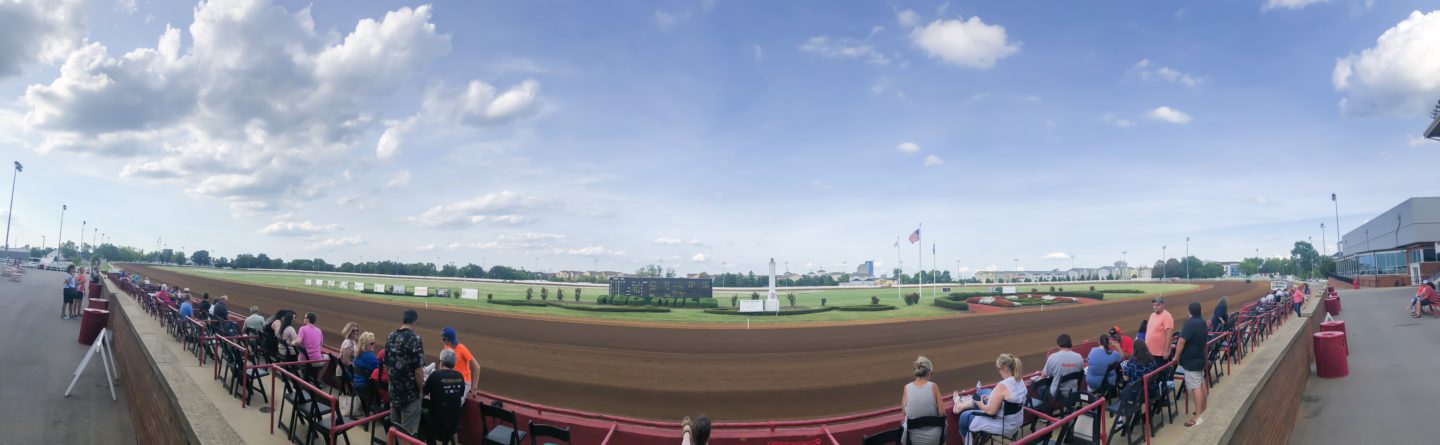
x=608, y=434
x=1043, y=435
x=394, y=437
x=1160, y=391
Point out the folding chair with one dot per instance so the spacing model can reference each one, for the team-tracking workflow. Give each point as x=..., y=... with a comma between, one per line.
x=887, y=437
x=538, y=430
x=1007, y=409
x=499, y=434
x=1126, y=412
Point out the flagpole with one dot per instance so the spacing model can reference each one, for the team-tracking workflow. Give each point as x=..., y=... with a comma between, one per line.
x=920, y=258
x=898, y=267
x=934, y=283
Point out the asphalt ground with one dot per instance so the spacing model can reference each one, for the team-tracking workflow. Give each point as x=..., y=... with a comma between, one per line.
x=40, y=357
x=667, y=372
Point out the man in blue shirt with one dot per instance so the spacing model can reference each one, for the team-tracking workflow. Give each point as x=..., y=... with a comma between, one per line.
x=186, y=310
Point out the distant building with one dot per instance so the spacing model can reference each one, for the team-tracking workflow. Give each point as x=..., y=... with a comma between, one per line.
x=1119, y=271
x=1396, y=248
x=866, y=270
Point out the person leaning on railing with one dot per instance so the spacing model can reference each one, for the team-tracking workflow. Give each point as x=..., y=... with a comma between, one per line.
x=696, y=432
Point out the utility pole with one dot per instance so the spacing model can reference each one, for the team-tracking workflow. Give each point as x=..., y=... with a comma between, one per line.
x=1339, y=241
x=1164, y=264
x=1187, y=258
x=1323, y=247
x=10, y=213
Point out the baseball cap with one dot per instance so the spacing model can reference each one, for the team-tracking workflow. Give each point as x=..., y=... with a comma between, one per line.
x=448, y=334
x=1158, y=300
x=1115, y=330
x=187, y=289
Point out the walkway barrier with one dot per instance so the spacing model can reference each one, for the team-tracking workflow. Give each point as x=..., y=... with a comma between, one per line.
x=276, y=370
x=395, y=437
x=1096, y=409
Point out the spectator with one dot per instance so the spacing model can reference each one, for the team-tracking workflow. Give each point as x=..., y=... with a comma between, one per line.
x=284, y=331
x=221, y=309
x=351, y=332
x=203, y=308
x=254, y=323
x=364, y=362
x=469, y=367
x=1101, y=359
x=1192, y=358
x=381, y=378
x=696, y=432
x=1010, y=389
x=404, y=361
x=164, y=296
x=445, y=393
x=1157, y=333
x=187, y=310
x=69, y=292
x=1139, y=365
x=1424, y=295
x=921, y=398
x=1220, y=320
x=1140, y=333
x=1298, y=300
x=1127, y=344
x=1062, y=363
x=312, y=340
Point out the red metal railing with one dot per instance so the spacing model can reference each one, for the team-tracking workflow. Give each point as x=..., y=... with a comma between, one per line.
x=611, y=433
x=1160, y=390
x=1098, y=406
x=277, y=369
x=394, y=435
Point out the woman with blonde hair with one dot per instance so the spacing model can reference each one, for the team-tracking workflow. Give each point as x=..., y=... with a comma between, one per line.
x=363, y=362
x=982, y=414
x=348, y=349
x=921, y=399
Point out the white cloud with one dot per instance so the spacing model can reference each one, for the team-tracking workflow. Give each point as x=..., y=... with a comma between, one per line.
x=1056, y=256
x=358, y=202
x=1110, y=118
x=425, y=247
x=963, y=269
x=495, y=208
x=759, y=53
x=1145, y=71
x=258, y=111
x=992, y=268
x=126, y=5
x=970, y=43
x=1171, y=115
x=589, y=251
x=932, y=160
x=908, y=18
x=667, y=20
x=819, y=185
x=477, y=105
x=908, y=147
x=291, y=228
x=1288, y=4
x=1416, y=141
x=663, y=241
x=844, y=48
x=1400, y=75
x=38, y=32
x=1261, y=200
x=335, y=243
x=453, y=247
x=699, y=258
x=399, y=180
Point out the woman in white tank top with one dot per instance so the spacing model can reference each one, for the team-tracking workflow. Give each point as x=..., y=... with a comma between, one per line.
x=1010, y=389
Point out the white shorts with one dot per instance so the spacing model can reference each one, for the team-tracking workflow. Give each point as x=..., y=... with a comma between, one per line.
x=1194, y=380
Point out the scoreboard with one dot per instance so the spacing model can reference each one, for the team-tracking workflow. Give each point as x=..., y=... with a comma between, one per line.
x=661, y=287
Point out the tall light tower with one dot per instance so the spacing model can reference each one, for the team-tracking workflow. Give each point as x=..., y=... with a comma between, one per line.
x=1164, y=264
x=1339, y=241
x=1323, y=248
x=11, y=212
x=1187, y=258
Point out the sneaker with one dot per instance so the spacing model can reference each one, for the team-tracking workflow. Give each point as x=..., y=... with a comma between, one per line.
x=64, y=317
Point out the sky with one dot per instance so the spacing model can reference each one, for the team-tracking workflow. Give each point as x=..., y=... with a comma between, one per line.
x=713, y=135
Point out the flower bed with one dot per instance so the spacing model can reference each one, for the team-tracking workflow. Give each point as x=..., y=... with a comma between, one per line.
x=1021, y=300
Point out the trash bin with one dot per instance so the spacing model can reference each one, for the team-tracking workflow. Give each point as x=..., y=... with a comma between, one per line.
x=1337, y=326
x=1330, y=360
x=1332, y=306
x=91, y=323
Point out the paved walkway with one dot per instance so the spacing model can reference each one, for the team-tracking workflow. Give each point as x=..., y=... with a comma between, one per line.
x=41, y=353
x=1390, y=394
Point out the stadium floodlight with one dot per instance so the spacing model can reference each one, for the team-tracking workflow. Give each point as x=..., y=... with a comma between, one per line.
x=1433, y=132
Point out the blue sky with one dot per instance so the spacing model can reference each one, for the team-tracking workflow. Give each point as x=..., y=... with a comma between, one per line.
x=714, y=135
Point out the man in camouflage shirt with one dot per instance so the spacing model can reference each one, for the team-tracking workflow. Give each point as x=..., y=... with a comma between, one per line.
x=404, y=361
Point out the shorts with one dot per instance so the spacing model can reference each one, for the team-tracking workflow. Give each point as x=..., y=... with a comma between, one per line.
x=71, y=295
x=1193, y=379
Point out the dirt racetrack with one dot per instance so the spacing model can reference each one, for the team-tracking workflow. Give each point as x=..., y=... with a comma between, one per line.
x=728, y=374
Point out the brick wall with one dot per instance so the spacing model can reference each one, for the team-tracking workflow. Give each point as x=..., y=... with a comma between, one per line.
x=152, y=412
x=1271, y=418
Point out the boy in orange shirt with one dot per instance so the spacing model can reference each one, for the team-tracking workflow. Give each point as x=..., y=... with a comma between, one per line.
x=465, y=362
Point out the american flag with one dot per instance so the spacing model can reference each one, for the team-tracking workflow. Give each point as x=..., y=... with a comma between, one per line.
x=915, y=237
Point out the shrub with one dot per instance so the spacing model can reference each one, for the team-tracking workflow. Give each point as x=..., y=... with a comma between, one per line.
x=637, y=301
x=544, y=293
x=619, y=299
x=662, y=302
x=577, y=294
x=1092, y=288
x=1122, y=291
x=947, y=303
x=709, y=303
x=754, y=295
x=559, y=294
x=600, y=299
x=527, y=303
x=529, y=293
x=866, y=308
x=489, y=297
x=734, y=300
x=791, y=297
x=1034, y=290
x=874, y=299
x=589, y=308
x=692, y=303
x=822, y=302
x=797, y=311
x=911, y=299
x=1052, y=288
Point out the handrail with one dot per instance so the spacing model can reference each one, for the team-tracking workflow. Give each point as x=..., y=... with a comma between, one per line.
x=354, y=423
x=228, y=341
x=393, y=434
x=1145, y=381
x=278, y=368
x=826, y=429
x=611, y=433
x=1097, y=405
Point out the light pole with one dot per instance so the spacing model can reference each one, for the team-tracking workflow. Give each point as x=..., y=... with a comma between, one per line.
x=1323, y=248
x=1122, y=256
x=60, y=239
x=1164, y=264
x=1187, y=258
x=9, y=213
x=42, y=243
x=1338, y=239
x=81, y=253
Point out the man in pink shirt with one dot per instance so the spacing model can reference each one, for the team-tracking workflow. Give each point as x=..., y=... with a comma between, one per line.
x=311, y=339
x=1299, y=296
x=1157, y=330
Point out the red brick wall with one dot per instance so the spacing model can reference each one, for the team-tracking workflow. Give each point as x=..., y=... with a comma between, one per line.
x=1271, y=418
x=152, y=411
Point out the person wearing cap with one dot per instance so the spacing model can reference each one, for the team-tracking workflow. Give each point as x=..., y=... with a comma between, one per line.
x=465, y=362
x=1157, y=330
x=1126, y=343
x=921, y=398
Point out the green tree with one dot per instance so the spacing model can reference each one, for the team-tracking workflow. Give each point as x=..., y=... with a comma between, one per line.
x=1306, y=258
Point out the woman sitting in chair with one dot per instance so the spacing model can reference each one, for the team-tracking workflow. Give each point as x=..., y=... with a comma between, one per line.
x=977, y=416
x=921, y=399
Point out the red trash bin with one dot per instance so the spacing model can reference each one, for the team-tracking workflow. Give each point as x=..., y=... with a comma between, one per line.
x=98, y=303
x=1330, y=360
x=1337, y=326
x=91, y=323
x=1332, y=306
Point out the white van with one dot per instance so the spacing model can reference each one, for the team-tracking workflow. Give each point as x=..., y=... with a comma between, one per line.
x=1279, y=284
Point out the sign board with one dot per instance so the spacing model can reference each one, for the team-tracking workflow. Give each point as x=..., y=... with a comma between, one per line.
x=945, y=289
x=344, y=284
x=378, y=288
x=330, y=283
x=422, y=291
x=397, y=289
x=772, y=305
x=1278, y=284
x=1008, y=290
x=752, y=306
x=359, y=286
x=470, y=294
x=309, y=282
x=442, y=292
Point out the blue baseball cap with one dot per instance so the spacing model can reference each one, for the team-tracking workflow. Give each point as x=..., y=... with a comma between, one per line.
x=449, y=335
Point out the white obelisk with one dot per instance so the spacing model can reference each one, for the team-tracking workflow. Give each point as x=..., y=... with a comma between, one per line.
x=774, y=297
